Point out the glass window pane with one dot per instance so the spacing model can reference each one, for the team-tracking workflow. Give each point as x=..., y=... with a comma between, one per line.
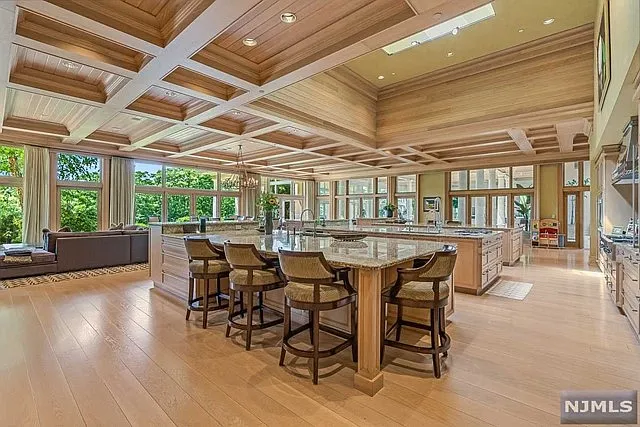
x=148, y=174
x=297, y=210
x=342, y=209
x=481, y=179
x=572, y=204
x=147, y=205
x=367, y=208
x=407, y=208
x=522, y=211
x=206, y=206
x=459, y=209
x=340, y=188
x=298, y=188
x=571, y=174
x=522, y=176
x=586, y=173
x=381, y=204
x=323, y=209
x=279, y=186
x=323, y=188
x=10, y=214
x=191, y=178
x=228, y=182
x=499, y=211
x=459, y=180
x=479, y=211
x=499, y=177
x=361, y=186
x=478, y=180
x=178, y=208
x=11, y=161
x=354, y=208
x=229, y=206
x=406, y=184
x=382, y=185
x=79, y=209
x=73, y=167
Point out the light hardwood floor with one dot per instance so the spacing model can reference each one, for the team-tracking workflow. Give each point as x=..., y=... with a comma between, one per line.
x=112, y=351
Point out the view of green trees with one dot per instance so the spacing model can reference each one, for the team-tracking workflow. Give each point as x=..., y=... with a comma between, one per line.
x=11, y=165
x=78, y=208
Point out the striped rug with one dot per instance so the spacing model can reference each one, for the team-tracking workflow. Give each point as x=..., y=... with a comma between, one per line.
x=59, y=277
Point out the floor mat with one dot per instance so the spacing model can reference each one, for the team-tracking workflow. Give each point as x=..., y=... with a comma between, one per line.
x=511, y=289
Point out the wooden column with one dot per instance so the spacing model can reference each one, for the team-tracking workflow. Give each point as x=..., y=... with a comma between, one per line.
x=369, y=379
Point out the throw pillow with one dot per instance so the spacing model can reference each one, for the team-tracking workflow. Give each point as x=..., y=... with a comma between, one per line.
x=64, y=230
x=117, y=227
x=130, y=227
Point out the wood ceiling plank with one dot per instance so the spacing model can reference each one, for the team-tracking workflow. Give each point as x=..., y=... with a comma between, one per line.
x=519, y=136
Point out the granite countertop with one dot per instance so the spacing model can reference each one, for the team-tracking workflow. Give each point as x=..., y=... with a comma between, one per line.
x=403, y=230
x=370, y=253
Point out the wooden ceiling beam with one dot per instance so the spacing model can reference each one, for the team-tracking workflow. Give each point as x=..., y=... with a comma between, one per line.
x=567, y=130
x=35, y=126
x=519, y=136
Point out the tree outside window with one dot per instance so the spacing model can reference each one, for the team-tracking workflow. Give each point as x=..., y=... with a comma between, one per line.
x=11, y=167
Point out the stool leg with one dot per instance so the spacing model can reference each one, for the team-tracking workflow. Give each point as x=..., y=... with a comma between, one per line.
x=316, y=344
x=241, y=305
x=261, y=310
x=435, y=325
x=383, y=328
x=205, y=308
x=311, y=326
x=286, y=330
x=354, y=332
x=399, y=327
x=190, y=297
x=218, y=300
x=443, y=323
x=232, y=297
x=249, y=319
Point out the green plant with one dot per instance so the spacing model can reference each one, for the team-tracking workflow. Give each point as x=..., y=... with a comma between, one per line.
x=389, y=207
x=523, y=208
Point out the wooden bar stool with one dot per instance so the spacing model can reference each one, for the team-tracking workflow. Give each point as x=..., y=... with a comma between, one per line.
x=422, y=287
x=313, y=285
x=205, y=263
x=250, y=273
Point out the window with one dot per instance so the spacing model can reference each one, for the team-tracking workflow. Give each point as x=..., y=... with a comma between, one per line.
x=361, y=186
x=227, y=182
x=190, y=178
x=11, y=173
x=323, y=209
x=479, y=211
x=280, y=187
x=367, y=210
x=406, y=184
x=342, y=209
x=147, y=205
x=483, y=179
x=206, y=206
x=522, y=211
x=571, y=174
x=323, y=188
x=459, y=180
x=178, y=208
x=586, y=173
x=148, y=174
x=229, y=206
x=522, y=177
x=354, y=208
x=499, y=211
x=340, y=188
x=407, y=208
x=381, y=204
x=459, y=209
x=382, y=185
x=79, y=191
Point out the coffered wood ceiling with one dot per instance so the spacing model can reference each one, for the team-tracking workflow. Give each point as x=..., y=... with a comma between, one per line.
x=172, y=81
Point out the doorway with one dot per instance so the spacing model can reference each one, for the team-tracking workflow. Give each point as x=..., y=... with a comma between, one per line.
x=573, y=219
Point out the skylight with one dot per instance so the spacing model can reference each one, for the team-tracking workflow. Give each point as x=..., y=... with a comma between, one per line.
x=442, y=29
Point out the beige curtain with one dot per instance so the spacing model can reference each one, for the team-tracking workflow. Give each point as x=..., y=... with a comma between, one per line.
x=249, y=198
x=121, y=191
x=35, y=201
x=310, y=196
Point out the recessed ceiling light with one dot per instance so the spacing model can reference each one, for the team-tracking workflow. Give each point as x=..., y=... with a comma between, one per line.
x=548, y=21
x=116, y=128
x=455, y=31
x=70, y=65
x=288, y=17
x=136, y=118
x=380, y=77
x=170, y=93
x=249, y=42
x=521, y=30
x=437, y=15
x=393, y=74
x=415, y=43
x=449, y=54
x=236, y=113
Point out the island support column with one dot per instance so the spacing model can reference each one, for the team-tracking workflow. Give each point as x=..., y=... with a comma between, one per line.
x=369, y=379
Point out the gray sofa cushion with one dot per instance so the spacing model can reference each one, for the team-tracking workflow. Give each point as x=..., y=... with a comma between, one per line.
x=80, y=253
x=51, y=237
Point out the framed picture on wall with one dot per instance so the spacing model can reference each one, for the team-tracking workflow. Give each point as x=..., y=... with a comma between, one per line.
x=603, y=54
x=430, y=204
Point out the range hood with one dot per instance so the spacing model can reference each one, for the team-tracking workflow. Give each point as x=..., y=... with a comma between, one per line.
x=626, y=171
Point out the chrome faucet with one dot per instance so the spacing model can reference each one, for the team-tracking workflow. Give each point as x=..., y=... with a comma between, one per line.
x=313, y=215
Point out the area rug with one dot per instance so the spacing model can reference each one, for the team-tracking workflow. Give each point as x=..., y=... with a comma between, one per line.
x=59, y=277
x=510, y=289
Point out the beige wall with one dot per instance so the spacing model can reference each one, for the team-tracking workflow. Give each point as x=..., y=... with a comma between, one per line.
x=547, y=191
x=431, y=184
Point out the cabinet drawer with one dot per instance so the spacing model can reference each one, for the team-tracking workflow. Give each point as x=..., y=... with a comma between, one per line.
x=632, y=314
x=491, y=273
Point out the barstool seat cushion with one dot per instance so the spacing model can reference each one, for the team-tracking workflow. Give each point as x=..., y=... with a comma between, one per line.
x=214, y=267
x=260, y=277
x=303, y=292
x=421, y=291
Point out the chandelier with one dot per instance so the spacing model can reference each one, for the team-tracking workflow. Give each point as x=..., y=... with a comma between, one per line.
x=241, y=179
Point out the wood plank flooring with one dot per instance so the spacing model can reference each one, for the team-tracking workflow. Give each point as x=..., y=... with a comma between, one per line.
x=113, y=351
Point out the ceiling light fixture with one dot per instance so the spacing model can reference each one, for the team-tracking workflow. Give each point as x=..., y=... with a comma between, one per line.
x=521, y=30
x=415, y=43
x=455, y=31
x=442, y=29
x=548, y=21
x=170, y=93
x=116, y=128
x=70, y=65
x=380, y=77
x=437, y=15
x=136, y=118
x=288, y=17
x=249, y=42
x=240, y=179
x=449, y=54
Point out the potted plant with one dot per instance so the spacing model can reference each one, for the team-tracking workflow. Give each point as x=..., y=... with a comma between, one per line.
x=389, y=208
x=269, y=204
x=523, y=209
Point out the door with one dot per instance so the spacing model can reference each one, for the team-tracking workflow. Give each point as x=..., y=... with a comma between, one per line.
x=572, y=219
